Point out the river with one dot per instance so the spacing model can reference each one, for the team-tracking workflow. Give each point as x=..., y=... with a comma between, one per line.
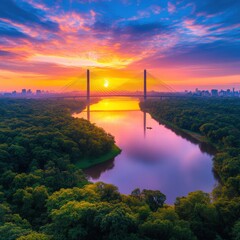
x=153, y=156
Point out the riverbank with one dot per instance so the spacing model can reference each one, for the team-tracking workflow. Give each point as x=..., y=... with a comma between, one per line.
x=90, y=162
x=185, y=133
x=196, y=136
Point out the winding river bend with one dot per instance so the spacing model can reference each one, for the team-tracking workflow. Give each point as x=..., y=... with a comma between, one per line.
x=153, y=156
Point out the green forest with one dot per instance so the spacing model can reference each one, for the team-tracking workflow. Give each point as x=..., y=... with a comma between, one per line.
x=44, y=195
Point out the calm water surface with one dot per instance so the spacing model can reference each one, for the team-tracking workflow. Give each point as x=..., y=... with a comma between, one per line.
x=156, y=158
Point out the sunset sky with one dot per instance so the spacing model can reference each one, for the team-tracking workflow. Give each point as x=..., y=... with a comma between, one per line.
x=45, y=44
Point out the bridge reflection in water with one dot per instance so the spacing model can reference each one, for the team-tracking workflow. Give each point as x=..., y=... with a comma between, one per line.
x=89, y=111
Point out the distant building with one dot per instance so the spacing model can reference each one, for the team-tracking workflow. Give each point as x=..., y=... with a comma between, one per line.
x=198, y=92
x=38, y=92
x=29, y=91
x=7, y=94
x=222, y=93
x=24, y=91
x=214, y=92
x=205, y=93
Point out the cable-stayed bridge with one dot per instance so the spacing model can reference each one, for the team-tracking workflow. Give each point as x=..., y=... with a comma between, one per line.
x=91, y=85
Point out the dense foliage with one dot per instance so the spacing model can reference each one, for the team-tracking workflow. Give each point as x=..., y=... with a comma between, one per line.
x=217, y=121
x=36, y=134
x=44, y=196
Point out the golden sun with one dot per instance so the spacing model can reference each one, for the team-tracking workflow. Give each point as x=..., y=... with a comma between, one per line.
x=106, y=83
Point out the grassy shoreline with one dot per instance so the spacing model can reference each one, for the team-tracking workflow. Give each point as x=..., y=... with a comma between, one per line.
x=90, y=162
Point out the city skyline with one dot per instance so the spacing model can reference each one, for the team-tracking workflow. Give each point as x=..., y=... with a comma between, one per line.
x=187, y=44
x=198, y=92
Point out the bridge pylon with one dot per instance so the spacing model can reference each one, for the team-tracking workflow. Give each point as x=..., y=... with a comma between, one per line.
x=88, y=85
x=145, y=85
